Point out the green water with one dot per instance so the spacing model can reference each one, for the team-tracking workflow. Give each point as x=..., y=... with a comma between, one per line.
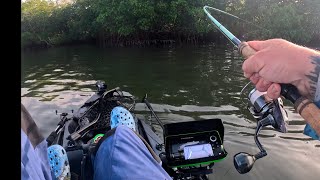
x=182, y=84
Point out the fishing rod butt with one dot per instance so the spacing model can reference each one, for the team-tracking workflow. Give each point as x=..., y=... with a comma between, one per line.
x=309, y=111
x=304, y=106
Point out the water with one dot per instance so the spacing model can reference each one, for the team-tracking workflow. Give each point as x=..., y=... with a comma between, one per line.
x=183, y=84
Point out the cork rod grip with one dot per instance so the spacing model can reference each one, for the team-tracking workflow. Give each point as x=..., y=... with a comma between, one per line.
x=245, y=50
x=307, y=109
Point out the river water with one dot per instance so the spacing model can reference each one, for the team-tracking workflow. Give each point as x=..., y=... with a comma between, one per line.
x=183, y=84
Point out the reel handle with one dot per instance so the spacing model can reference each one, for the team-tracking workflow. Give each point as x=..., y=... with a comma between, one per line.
x=306, y=108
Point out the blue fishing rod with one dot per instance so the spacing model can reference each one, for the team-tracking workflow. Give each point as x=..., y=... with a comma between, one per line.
x=243, y=47
x=260, y=108
x=232, y=38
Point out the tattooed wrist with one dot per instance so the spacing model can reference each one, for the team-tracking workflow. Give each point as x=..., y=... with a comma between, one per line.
x=314, y=79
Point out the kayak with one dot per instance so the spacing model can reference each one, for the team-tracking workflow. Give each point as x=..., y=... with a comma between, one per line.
x=188, y=150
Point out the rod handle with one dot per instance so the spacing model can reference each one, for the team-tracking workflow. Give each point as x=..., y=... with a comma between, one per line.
x=245, y=50
x=309, y=111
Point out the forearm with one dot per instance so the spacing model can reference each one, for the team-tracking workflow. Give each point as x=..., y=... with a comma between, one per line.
x=314, y=81
x=317, y=95
x=313, y=78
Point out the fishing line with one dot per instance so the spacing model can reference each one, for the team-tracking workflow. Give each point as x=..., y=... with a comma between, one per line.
x=236, y=17
x=241, y=93
x=232, y=38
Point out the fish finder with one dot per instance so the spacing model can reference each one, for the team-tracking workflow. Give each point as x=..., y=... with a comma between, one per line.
x=194, y=143
x=192, y=147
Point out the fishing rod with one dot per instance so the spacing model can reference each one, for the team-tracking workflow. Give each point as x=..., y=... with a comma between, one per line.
x=232, y=38
x=235, y=41
x=243, y=162
x=307, y=109
x=144, y=100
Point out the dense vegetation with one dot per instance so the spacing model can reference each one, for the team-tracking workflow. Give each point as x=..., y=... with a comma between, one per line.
x=46, y=23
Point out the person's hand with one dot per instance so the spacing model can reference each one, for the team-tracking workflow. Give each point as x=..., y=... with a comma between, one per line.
x=280, y=61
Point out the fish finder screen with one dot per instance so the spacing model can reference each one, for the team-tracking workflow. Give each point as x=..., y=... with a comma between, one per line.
x=197, y=151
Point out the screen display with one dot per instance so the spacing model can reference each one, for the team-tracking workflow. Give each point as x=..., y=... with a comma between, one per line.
x=197, y=151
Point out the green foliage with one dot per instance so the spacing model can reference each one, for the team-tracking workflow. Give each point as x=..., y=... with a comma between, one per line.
x=294, y=20
x=280, y=23
x=44, y=22
x=35, y=26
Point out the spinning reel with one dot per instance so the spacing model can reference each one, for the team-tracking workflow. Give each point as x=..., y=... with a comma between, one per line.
x=267, y=112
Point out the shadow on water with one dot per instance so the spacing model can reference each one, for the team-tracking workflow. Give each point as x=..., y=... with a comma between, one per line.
x=183, y=84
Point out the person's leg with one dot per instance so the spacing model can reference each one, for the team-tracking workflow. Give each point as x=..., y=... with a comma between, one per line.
x=123, y=155
x=34, y=160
